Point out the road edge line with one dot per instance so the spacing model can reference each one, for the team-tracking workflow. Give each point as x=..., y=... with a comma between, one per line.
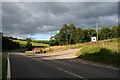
x=8, y=68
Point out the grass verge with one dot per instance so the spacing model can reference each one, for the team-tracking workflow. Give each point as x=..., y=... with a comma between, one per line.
x=0, y=65
x=4, y=66
x=100, y=54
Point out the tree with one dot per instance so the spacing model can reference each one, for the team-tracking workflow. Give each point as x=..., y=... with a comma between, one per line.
x=8, y=44
x=105, y=33
x=29, y=44
x=118, y=31
x=114, y=31
x=78, y=35
x=72, y=34
x=66, y=35
x=87, y=34
x=54, y=40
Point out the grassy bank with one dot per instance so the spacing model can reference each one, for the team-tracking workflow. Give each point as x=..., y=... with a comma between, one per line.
x=61, y=48
x=105, y=52
x=4, y=66
x=0, y=66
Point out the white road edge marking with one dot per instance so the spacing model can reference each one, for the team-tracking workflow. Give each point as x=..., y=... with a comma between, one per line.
x=98, y=65
x=101, y=66
x=8, y=68
x=71, y=73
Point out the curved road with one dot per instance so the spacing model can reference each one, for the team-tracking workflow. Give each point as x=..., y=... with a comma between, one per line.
x=23, y=66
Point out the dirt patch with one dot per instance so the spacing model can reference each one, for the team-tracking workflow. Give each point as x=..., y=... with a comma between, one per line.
x=66, y=54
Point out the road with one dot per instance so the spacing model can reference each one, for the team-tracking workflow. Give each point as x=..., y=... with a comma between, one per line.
x=23, y=66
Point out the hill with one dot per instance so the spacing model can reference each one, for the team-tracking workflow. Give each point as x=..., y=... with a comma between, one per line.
x=23, y=43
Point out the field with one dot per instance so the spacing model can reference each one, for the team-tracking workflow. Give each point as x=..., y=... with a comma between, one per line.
x=33, y=43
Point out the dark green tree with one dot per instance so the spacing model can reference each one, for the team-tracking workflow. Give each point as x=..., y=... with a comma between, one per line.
x=29, y=44
x=114, y=32
x=72, y=34
x=78, y=36
x=8, y=44
x=87, y=34
x=118, y=31
x=105, y=33
x=66, y=35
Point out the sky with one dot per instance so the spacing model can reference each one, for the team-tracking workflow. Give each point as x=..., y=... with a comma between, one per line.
x=41, y=20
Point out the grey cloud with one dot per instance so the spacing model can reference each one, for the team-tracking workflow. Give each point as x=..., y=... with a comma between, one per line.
x=41, y=17
x=60, y=0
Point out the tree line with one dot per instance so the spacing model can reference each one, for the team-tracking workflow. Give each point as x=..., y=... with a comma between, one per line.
x=8, y=44
x=70, y=34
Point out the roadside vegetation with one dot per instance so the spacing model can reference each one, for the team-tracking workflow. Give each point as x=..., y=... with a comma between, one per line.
x=0, y=65
x=70, y=34
x=4, y=66
x=8, y=44
x=70, y=37
x=105, y=52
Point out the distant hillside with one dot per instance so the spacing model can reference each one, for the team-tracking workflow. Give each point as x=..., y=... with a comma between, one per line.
x=23, y=43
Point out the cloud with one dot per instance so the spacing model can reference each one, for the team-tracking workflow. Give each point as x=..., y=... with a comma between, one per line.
x=46, y=18
x=60, y=0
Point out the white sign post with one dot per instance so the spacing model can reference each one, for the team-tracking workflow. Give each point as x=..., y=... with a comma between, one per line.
x=94, y=39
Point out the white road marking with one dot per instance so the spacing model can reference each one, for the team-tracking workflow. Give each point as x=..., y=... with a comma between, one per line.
x=8, y=68
x=84, y=62
x=96, y=65
x=71, y=73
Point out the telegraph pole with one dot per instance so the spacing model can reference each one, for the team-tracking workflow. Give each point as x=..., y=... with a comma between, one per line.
x=97, y=25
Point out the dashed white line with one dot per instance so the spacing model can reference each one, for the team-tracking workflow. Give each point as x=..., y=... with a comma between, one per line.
x=71, y=73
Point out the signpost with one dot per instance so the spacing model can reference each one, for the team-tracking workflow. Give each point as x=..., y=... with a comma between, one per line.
x=97, y=25
x=95, y=38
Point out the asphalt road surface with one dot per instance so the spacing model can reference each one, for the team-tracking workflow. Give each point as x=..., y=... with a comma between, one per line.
x=28, y=67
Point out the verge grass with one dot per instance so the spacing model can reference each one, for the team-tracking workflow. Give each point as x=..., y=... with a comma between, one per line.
x=105, y=52
x=0, y=65
x=4, y=65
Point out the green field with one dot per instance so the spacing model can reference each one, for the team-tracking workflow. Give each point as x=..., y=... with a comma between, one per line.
x=33, y=43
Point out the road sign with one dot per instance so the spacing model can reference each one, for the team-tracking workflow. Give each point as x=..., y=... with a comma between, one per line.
x=94, y=39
